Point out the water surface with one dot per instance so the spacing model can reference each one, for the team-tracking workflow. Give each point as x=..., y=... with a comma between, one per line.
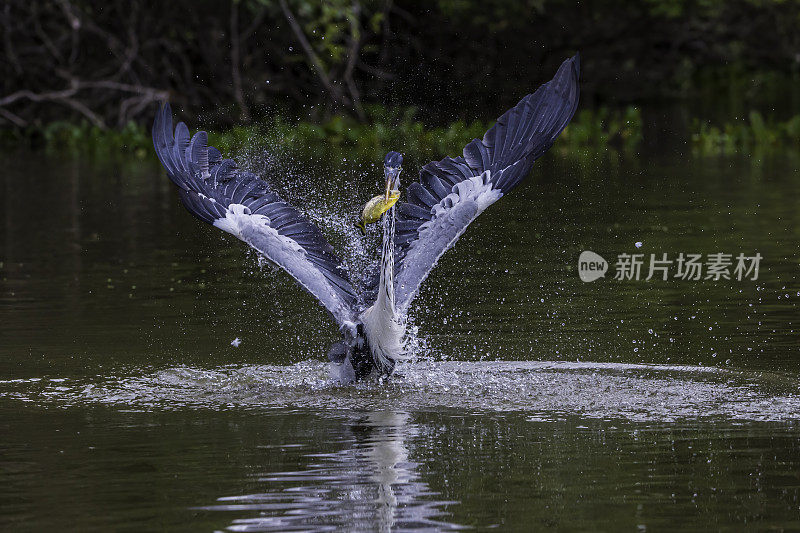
x=535, y=400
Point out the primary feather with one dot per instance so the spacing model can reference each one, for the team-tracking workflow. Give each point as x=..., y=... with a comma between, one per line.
x=217, y=192
x=452, y=192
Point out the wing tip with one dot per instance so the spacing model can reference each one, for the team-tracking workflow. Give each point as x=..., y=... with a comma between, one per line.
x=569, y=73
x=163, y=115
x=576, y=64
x=158, y=122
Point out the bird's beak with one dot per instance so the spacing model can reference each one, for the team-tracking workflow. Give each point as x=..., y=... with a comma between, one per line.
x=392, y=179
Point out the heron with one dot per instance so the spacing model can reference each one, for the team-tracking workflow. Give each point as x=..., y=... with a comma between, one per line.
x=436, y=211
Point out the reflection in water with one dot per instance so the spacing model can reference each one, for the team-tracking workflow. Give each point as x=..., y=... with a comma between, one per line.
x=507, y=442
x=368, y=485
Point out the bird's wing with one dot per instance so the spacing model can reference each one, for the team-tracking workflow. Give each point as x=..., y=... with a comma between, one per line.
x=453, y=191
x=215, y=191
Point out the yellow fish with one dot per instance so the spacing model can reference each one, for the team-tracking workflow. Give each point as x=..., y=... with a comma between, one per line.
x=375, y=208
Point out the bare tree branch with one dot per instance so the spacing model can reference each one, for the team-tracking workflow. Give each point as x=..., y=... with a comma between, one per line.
x=11, y=117
x=352, y=59
x=334, y=91
x=236, y=74
x=66, y=97
x=10, y=53
x=26, y=94
x=85, y=111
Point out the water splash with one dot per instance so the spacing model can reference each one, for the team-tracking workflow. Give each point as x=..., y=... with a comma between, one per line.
x=541, y=390
x=333, y=204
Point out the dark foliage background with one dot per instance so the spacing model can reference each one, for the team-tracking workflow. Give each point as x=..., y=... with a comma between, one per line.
x=235, y=61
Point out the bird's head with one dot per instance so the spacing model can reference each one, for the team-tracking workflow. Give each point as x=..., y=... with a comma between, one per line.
x=392, y=166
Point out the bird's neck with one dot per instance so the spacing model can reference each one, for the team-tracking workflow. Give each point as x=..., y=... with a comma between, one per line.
x=386, y=286
x=382, y=326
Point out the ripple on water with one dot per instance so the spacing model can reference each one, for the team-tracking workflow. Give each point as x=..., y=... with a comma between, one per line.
x=544, y=390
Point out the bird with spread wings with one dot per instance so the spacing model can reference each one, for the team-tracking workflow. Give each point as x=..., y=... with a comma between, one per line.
x=437, y=209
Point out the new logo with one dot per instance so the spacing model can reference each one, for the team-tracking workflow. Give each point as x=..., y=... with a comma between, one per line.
x=591, y=266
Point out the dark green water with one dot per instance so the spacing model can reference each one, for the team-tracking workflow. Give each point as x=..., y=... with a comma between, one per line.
x=536, y=401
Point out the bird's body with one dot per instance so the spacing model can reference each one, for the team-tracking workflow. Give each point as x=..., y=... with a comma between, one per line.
x=451, y=193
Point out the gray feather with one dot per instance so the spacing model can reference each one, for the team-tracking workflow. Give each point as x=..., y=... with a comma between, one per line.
x=215, y=191
x=454, y=191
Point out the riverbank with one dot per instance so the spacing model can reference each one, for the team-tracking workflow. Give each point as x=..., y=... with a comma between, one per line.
x=342, y=136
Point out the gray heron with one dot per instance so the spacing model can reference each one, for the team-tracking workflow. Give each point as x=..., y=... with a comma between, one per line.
x=437, y=209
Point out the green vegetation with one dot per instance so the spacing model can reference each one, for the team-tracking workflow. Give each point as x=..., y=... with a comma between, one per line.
x=344, y=136
x=82, y=139
x=83, y=80
x=602, y=127
x=754, y=135
x=341, y=136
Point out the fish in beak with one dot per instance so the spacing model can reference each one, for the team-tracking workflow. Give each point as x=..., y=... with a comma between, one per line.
x=378, y=205
x=375, y=208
